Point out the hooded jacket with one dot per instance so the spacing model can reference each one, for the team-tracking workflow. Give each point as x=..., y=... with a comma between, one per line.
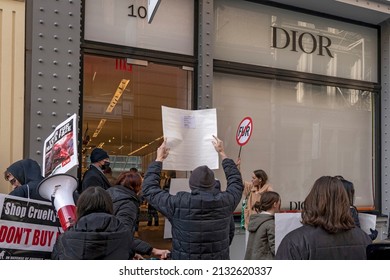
x=28, y=173
x=201, y=218
x=97, y=236
x=261, y=241
x=126, y=204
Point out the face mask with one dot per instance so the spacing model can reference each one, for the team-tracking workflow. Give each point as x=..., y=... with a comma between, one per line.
x=105, y=165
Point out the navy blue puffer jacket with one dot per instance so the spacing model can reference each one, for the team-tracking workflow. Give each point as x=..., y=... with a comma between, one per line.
x=201, y=218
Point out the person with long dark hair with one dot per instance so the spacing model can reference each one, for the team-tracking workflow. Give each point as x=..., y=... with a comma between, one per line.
x=253, y=191
x=328, y=231
x=97, y=234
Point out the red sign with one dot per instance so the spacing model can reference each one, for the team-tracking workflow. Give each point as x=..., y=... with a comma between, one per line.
x=244, y=131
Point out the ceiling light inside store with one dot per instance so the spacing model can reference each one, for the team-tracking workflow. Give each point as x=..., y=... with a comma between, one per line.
x=99, y=127
x=146, y=145
x=100, y=145
x=118, y=93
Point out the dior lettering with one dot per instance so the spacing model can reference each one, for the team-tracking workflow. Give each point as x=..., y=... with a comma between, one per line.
x=296, y=205
x=301, y=41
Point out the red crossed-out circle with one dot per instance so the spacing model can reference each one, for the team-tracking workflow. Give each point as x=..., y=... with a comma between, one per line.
x=244, y=131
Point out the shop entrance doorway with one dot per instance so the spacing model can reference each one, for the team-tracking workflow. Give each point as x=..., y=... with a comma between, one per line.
x=122, y=101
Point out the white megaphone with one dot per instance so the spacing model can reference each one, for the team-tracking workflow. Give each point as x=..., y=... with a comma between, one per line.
x=59, y=190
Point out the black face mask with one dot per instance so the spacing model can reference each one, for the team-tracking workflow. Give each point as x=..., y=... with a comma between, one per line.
x=105, y=165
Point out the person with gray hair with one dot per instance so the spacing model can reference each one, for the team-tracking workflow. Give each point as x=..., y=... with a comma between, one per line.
x=201, y=218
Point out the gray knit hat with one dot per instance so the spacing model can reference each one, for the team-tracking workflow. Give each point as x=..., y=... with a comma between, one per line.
x=202, y=177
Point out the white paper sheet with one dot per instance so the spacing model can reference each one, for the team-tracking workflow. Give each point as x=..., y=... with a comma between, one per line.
x=177, y=185
x=367, y=221
x=284, y=223
x=189, y=136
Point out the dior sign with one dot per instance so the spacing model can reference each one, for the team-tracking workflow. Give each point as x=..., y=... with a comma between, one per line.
x=301, y=41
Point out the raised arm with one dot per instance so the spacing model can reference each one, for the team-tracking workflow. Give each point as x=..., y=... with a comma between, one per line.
x=160, y=199
x=233, y=176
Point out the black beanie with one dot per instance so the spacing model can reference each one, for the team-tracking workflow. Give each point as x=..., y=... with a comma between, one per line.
x=98, y=155
x=203, y=177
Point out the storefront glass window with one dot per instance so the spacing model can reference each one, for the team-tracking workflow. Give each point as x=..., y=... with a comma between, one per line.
x=122, y=101
x=300, y=132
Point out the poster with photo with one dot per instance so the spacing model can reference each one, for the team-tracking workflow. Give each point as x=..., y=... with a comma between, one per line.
x=60, y=149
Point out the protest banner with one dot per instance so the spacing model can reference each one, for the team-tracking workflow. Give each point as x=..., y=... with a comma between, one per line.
x=28, y=228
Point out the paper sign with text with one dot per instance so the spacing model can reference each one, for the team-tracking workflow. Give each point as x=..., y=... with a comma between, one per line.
x=189, y=136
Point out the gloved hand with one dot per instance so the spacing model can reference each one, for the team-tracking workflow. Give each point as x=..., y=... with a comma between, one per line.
x=374, y=234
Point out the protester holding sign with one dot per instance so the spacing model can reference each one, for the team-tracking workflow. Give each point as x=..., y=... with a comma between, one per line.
x=252, y=193
x=24, y=176
x=201, y=218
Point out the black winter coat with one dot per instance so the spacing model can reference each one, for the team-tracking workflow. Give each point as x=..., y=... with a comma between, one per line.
x=93, y=177
x=126, y=205
x=200, y=219
x=314, y=243
x=28, y=173
x=97, y=236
